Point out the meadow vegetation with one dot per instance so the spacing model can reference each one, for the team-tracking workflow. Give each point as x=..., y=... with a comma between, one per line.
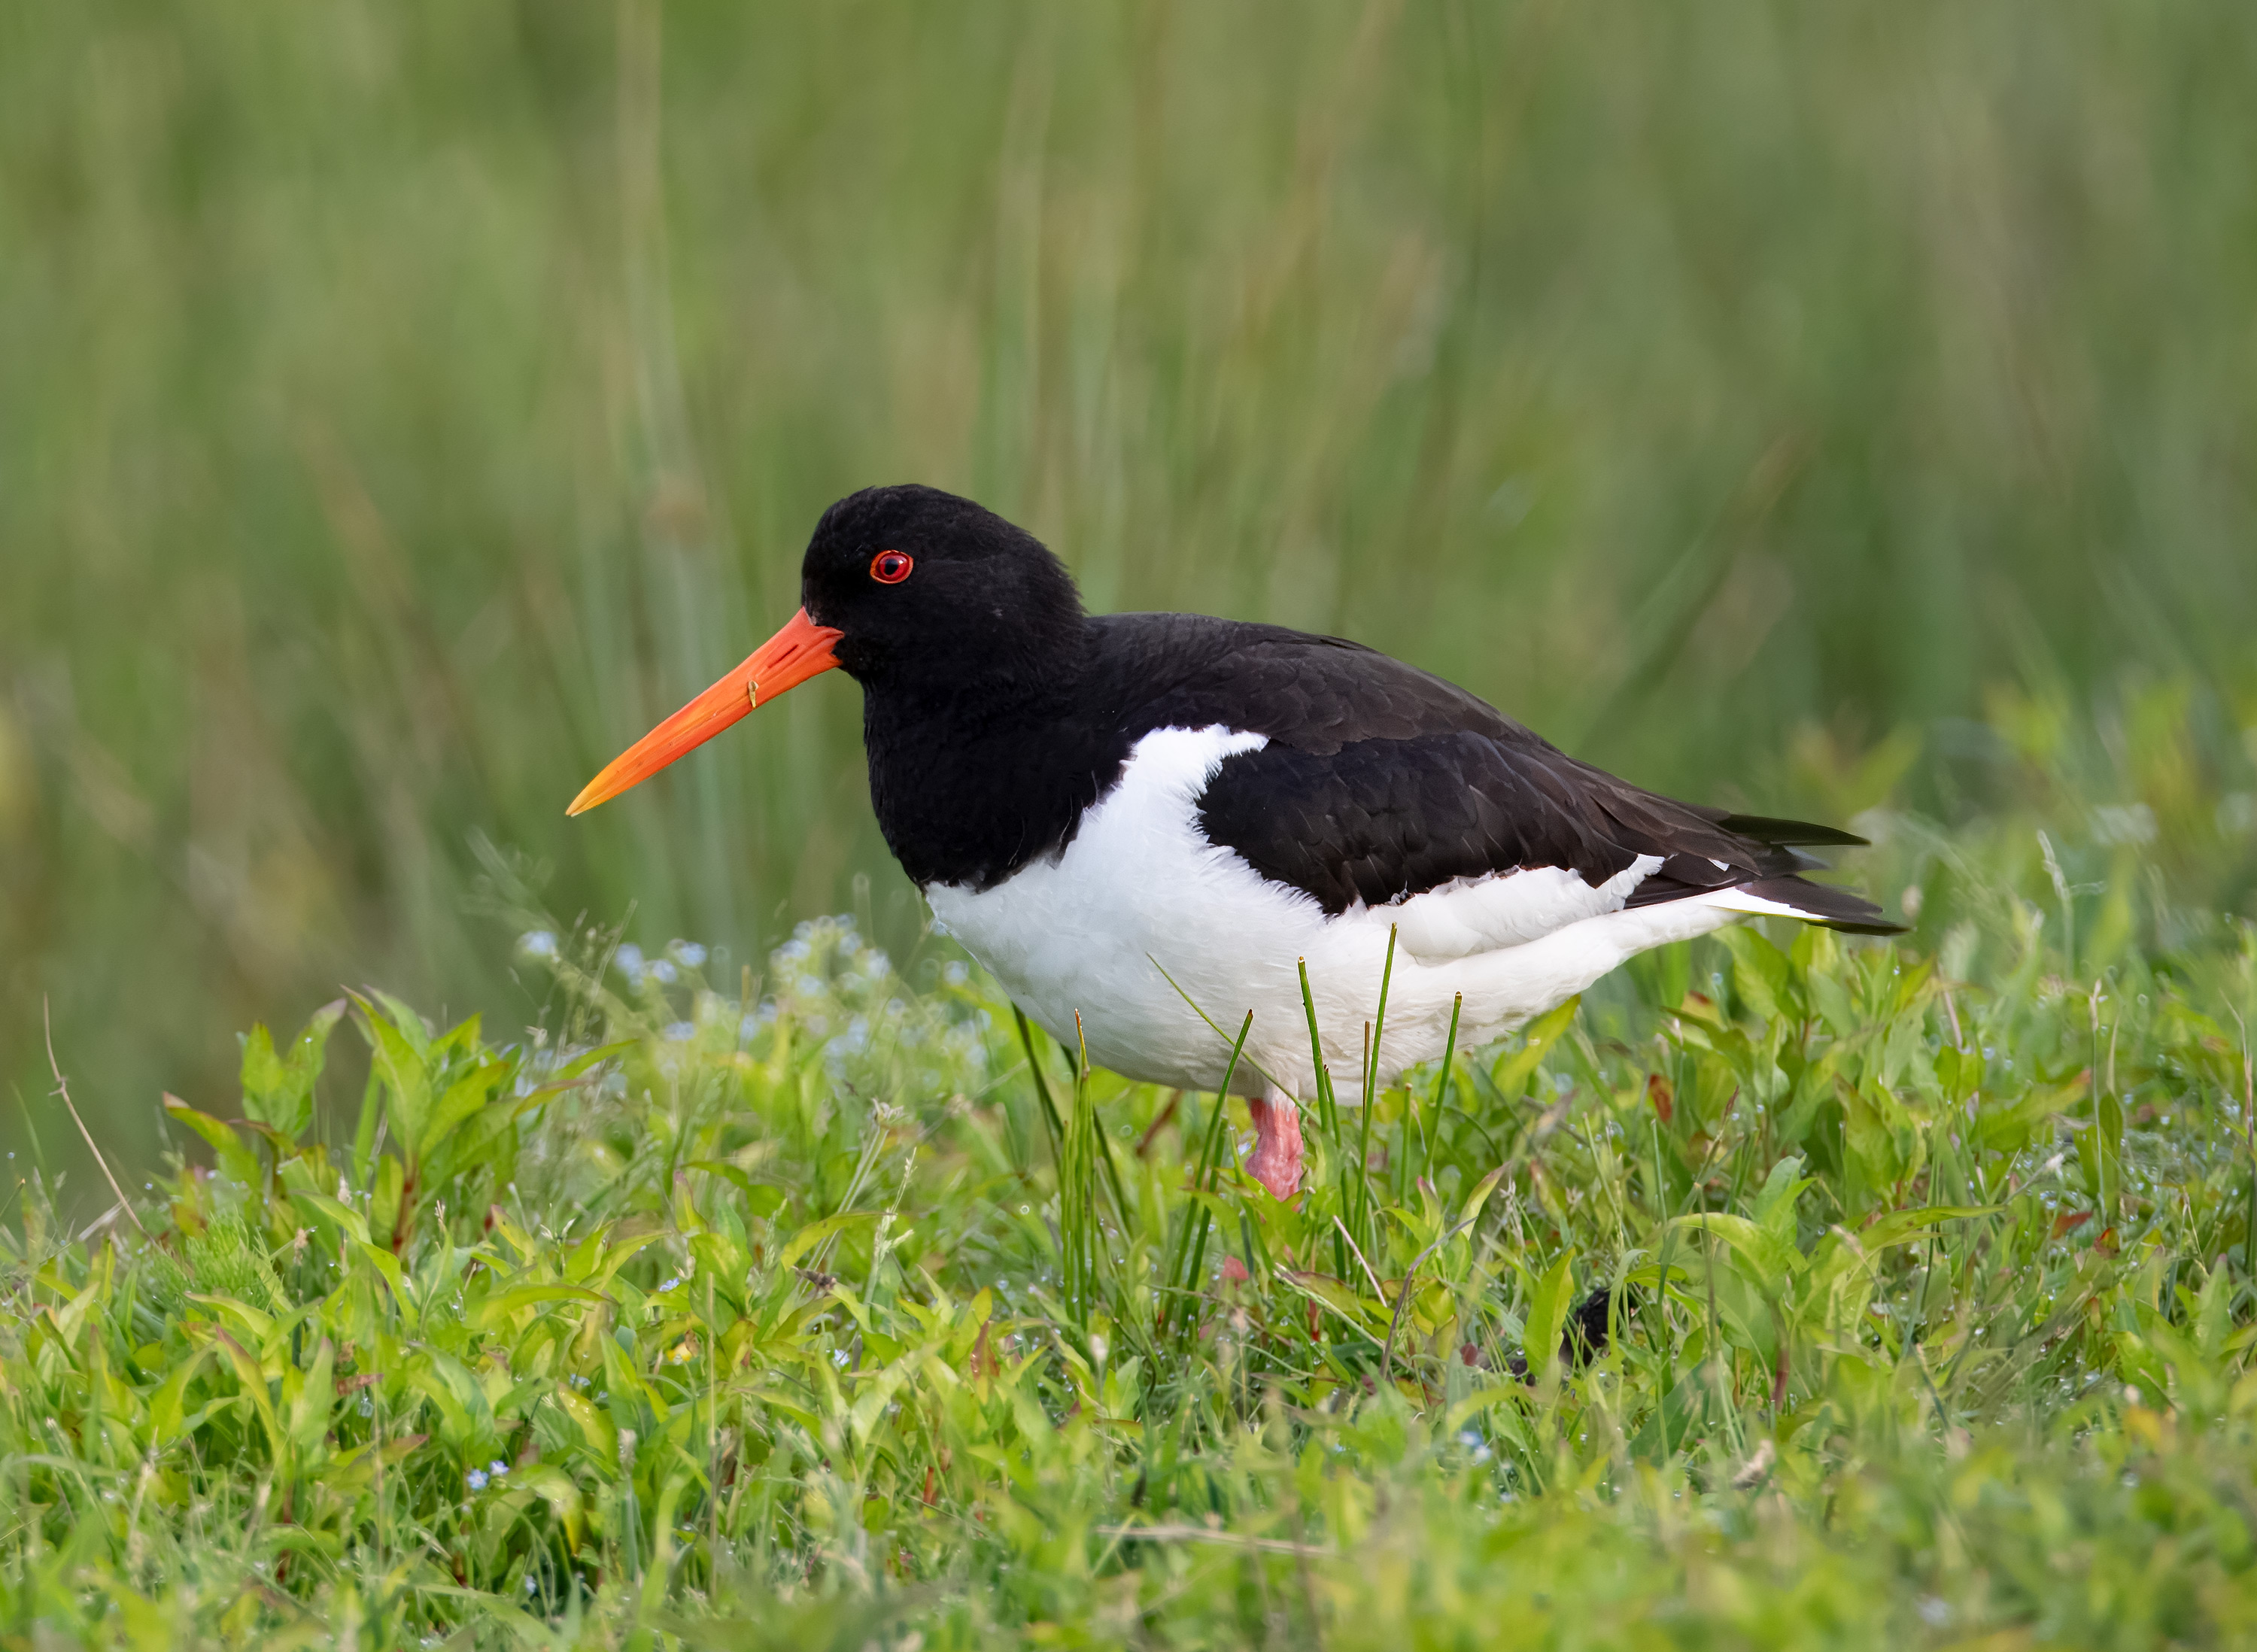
x=407, y=404
x=815, y=1302
x=1841, y=411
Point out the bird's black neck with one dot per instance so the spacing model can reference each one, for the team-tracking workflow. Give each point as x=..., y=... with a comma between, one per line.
x=973, y=774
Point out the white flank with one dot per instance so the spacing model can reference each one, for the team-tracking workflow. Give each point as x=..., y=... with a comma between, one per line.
x=1741, y=900
x=1506, y=910
x=1139, y=891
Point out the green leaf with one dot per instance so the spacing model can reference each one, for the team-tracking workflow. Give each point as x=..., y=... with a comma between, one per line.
x=277, y=1090
x=397, y=1050
x=236, y=1161
x=388, y=1266
x=2010, y=1125
x=555, y=1487
x=464, y=1098
x=465, y=1417
x=815, y=1233
x=350, y=1221
x=262, y=1074
x=1832, y=1001
x=309, y=1414
x=1767, y=1260
x=1548, y=1309
x=1358, y=1310
x=1774, y=1203
x=167, y=1406
x=1479, y=1196
x=1511, y=1076
x=494, y=1310
x=1764, y=975
x=1899, y=1225
x=603, y=1438
x=258, y=1327
x=247, y=1373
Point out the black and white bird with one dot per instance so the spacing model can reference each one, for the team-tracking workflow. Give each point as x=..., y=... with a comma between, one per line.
x=1153, y=819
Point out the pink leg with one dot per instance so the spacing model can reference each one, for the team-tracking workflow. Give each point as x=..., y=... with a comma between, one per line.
x=1275, y=1161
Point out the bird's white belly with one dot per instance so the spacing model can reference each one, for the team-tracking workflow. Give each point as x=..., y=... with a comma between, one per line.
x=1141, y=919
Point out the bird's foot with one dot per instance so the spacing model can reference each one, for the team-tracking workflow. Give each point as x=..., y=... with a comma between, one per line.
x=1275, y=1161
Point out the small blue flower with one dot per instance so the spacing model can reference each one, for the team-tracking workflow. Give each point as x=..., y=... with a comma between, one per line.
x=477, y=1479
x=663, y=970
x=497, y=1468
x=541, y=943
x=680, y=1032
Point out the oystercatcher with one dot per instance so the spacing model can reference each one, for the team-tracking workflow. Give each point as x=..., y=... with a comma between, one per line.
x=1153, y=819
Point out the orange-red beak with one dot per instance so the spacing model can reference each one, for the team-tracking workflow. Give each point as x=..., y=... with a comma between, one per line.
x=801, y=650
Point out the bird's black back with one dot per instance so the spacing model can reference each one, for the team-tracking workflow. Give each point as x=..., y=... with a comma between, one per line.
x=1379, y=781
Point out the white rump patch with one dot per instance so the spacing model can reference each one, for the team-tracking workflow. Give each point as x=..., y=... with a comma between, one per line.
x=1741, y=900
x=1508, y=908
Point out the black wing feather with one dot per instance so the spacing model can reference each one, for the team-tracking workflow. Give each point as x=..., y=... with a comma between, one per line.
x=1381, y=781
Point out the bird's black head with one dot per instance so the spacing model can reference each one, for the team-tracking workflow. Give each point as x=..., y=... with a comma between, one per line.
x=922, y=585
x=932, y=603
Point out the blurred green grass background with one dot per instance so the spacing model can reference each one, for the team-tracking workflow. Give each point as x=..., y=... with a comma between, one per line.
x=402, y=406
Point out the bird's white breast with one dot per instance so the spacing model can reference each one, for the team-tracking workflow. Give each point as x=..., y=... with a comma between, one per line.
x=1141, y=918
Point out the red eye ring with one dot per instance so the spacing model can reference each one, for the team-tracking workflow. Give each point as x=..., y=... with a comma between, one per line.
x=891, y=568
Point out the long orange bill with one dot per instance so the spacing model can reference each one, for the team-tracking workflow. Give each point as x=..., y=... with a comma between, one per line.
x=801, y=650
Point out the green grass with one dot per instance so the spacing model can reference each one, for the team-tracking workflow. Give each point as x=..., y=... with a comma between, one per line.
x=1841, y=410
x=406, y=405
x=731, y=1306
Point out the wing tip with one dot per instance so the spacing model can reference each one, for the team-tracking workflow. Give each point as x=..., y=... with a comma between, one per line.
x=1818, y=903
x=1767, y=829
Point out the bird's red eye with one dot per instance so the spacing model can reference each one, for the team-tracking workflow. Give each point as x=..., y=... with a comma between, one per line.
x=890, y=568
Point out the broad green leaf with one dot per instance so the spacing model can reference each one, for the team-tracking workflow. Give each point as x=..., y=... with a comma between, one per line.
x=388, y=1266
x=1899, y=1225
x=1511, y=1076
x=398, y=1057
x=277, y=1089
x=1768, y=1261
x=352, y=1222
x=1479, y=1196
x=166, y=1405
x=815, y=1233
x=1359, y=1310
x=1764, y=974
x=253, y=1382
x=1549, y=1307
x=496, y=1308
x=309, y=1414
x=236, y=1160
x=2009, y=1125
x=1774, y=1202
x=465, y=1414
x=464, y=1098
x=554, y=1486
x=258, y=1327
x=603, y=1438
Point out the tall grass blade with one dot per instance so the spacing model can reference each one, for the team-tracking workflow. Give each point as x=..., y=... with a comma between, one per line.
x=1187, y=1251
